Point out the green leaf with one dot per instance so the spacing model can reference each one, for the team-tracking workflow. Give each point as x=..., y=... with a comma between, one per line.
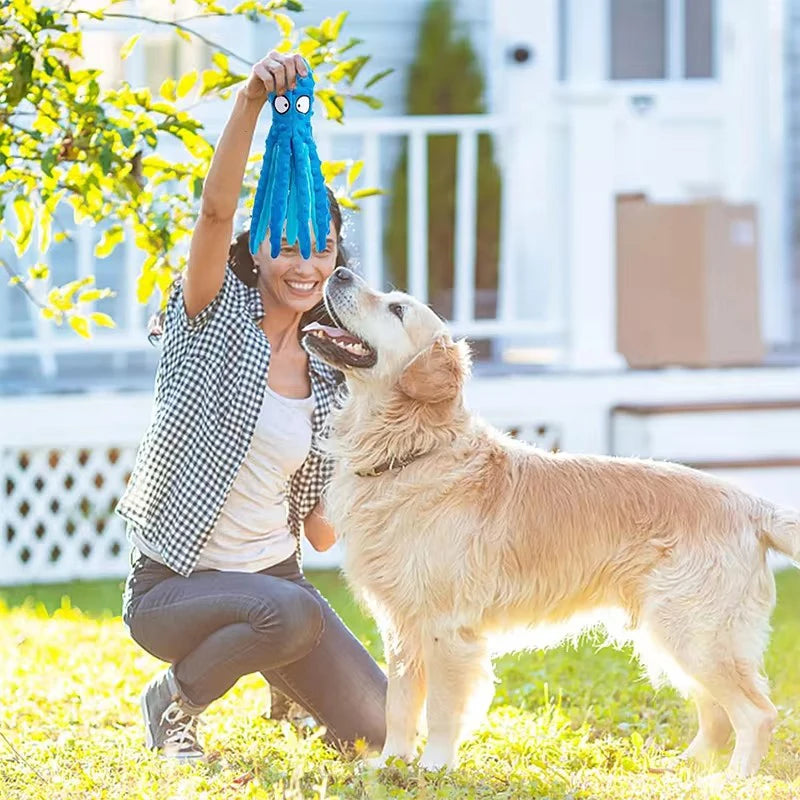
x=111, y=237
x=368, y=100
x=80, y=325
x=351, y=43
x=127, y=48
x=347, y=69
x=145, y=285
x=317, y=34
x=346, y=202
x=39, y=272
x=91, y=295
x=45, y=228
x=294, y=5
x=186, y=83
x=370, y=191
x=24, y=211
x=378, y=77
x=211, y=79
x=54, y=298
x=354, y=172
x=68, y=289
x=284, y=23
x=221, y=60
x=127, y=136
x=103, y=320
x=332, y=102
x=106, y=159
x=329, y=28
x=332, y=169
x=167, y=89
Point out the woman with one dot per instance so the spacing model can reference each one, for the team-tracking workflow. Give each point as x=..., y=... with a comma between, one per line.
x=227, y=475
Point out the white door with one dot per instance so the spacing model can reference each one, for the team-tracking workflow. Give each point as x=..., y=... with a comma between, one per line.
x=664, y=74
x=696, y=96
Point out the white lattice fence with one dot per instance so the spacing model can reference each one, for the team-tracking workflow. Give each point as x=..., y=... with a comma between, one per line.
x=59, y=521
x=64, y=462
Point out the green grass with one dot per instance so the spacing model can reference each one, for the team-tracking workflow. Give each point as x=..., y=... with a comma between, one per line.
x=569, y=723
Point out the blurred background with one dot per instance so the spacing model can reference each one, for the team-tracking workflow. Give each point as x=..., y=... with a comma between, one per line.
x=601, y=195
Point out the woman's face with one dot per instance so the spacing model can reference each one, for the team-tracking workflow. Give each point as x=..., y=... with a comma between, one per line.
x=291, y=280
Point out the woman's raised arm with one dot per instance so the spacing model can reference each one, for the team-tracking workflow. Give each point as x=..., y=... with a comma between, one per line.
x=208, y=251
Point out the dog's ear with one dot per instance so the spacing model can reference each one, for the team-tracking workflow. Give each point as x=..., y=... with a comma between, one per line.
x=437, y=374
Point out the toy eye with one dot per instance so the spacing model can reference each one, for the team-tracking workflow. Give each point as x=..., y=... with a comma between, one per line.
x=281, y=104
x=303, y=104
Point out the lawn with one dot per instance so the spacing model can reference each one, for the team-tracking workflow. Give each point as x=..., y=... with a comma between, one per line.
x=569, y=723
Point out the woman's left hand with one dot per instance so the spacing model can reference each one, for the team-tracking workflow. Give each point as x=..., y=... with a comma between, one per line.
x=318, y=530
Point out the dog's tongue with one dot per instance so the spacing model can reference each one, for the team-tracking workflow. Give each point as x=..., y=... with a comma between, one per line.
x=334, y=333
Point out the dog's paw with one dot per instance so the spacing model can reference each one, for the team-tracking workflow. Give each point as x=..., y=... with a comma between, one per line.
x=434, y=763
x=386, y=760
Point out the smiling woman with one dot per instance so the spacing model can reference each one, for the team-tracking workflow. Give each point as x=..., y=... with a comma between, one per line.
x=230, y=473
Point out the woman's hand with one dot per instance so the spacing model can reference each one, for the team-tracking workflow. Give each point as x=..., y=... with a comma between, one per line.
x=276, y=73
x=318, y=530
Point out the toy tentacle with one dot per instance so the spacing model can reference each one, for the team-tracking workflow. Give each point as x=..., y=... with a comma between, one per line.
x=263, y=191
x=301, y=167
x=291, y=209
x=260, y=223
x=321, y=210
x=279, y=195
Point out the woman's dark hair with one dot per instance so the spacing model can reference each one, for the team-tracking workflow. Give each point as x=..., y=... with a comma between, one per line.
x=245, y=269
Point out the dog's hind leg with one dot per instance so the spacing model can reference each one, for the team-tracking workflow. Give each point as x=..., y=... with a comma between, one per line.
x=460, y=688
x=720, y=649
x=405, y=696
x=714, y=727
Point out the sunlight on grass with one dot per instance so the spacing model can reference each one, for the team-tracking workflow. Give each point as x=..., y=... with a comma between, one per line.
x=569, y=723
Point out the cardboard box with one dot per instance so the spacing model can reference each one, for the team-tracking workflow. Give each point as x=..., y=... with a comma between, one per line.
x=687, y=284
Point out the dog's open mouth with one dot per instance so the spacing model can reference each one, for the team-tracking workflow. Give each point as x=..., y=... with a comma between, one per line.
x=339, y=347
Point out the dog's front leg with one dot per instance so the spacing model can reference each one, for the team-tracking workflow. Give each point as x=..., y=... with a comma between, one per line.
x=460, y=688
x=405, y=696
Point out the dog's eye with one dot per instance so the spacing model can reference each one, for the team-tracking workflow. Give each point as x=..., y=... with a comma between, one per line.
x=397, y=310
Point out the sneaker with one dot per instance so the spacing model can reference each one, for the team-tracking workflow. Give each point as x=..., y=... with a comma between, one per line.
x=170, y=723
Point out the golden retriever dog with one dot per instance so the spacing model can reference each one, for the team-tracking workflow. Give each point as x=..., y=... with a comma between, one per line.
x=456, y=536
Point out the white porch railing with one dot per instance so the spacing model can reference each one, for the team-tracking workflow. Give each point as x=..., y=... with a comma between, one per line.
x=378, y=155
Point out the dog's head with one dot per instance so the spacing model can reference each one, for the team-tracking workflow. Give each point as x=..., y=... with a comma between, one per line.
x=388, y=341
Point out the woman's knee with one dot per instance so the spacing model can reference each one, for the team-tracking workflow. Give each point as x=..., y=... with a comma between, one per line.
x=296, y=621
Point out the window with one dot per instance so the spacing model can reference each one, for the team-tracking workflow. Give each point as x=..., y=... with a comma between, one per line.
x=661, y=39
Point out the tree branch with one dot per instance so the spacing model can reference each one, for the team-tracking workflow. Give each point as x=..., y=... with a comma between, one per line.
x=21, y=285
x=172, y=24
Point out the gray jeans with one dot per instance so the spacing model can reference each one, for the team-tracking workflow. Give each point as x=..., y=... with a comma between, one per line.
x=216, y=626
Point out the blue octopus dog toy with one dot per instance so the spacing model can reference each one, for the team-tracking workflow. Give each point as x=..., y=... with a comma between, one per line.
x=291, y=188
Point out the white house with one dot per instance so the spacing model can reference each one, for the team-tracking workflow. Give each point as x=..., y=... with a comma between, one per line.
x=588, y=99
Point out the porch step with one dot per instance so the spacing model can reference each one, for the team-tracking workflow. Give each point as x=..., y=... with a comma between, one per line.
x=756, y=445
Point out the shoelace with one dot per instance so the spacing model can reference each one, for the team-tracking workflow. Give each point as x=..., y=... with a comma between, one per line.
x=182, y=732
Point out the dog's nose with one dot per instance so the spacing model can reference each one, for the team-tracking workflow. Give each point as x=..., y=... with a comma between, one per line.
x=342, y=275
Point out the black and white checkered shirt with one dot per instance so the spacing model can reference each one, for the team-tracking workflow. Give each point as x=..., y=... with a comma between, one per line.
x=209, y=389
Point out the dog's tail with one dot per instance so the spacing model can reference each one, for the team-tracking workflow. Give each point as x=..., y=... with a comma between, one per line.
x=781, y=532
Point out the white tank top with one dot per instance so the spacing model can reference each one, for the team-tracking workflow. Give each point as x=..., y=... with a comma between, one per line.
x=251, y=533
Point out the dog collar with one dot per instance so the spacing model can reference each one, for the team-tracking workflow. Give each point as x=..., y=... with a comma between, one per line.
x=394, y=464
